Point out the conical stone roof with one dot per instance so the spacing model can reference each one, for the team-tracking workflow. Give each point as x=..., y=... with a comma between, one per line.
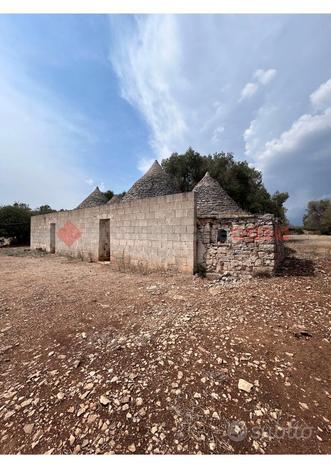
x=155, y=183
x=115, y=199
x=95, y=198
x=212, y=199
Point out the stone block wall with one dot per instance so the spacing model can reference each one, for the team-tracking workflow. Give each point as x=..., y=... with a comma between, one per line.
x=253, y=245
x=148, y=234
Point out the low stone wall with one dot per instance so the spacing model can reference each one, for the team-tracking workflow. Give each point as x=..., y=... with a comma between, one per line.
x=253, y=245
x=148, y=234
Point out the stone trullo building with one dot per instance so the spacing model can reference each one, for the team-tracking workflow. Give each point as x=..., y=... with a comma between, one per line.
x=155, y=227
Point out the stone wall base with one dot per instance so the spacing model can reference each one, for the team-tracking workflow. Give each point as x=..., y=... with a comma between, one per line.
x=240, y=245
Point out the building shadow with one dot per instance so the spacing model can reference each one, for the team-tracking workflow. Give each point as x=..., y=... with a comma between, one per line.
x=295, y=266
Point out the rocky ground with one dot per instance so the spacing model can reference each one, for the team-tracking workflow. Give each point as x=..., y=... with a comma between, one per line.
x=95, y=361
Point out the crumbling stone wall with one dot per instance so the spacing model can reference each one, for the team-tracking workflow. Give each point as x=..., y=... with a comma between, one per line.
x=253, y=245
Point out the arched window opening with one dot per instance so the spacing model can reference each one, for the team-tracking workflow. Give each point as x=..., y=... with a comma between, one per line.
x=222, y=236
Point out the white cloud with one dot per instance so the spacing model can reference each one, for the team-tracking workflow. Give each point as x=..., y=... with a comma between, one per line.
x=321, y=97
x=262, y=77
x=146, y=80
x=251, y=138
x=248, y=91
x=298, y=160
x=90, y=182
x=297, y=138
x=182, y=102
x=265, y=76
x=261, y=129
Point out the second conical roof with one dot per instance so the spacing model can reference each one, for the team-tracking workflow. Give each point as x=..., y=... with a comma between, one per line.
x=95, y=198
x=155, y=183
x=115, y=199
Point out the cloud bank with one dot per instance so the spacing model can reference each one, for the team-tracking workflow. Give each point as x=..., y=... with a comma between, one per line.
x=173, y=71
x=197, y=83
x=302, y=153
x=321, y=97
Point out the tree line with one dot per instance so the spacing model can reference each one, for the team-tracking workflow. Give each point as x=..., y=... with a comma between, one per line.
x=318, y=217
x=15, y=221
x=241, y=181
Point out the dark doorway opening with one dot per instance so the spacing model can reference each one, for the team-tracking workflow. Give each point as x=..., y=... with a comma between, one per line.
x=104, y=240
x=52, y=238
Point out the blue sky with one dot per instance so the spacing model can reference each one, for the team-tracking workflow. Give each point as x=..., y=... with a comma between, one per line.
x=92, y=99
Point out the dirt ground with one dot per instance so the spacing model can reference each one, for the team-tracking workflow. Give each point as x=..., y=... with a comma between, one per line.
x=96, y=361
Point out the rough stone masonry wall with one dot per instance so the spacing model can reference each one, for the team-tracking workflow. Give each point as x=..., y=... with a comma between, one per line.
x=253, y=245
x=148, y=234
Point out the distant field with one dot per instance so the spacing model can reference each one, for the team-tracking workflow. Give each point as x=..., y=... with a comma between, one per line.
x=310, y=245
